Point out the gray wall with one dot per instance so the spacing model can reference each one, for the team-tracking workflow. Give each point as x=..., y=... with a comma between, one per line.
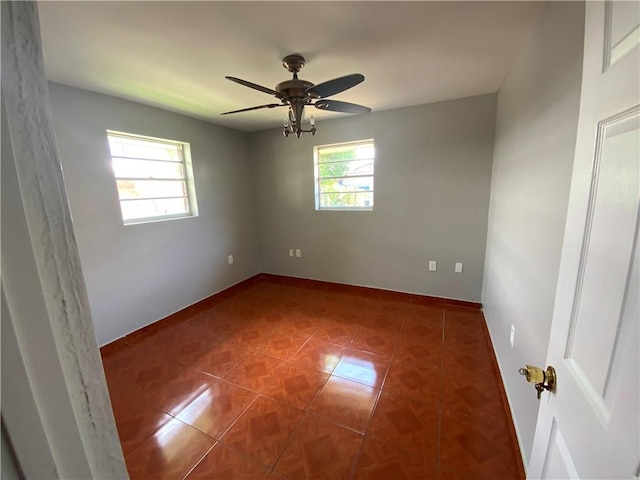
x=432, y=179
x=535, y=140
x=138, y=274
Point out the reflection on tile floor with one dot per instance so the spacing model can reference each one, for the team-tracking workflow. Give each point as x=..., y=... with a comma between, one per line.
x=288, y=379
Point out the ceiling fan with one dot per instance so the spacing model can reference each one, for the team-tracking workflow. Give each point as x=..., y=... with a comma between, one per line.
x=297, y=94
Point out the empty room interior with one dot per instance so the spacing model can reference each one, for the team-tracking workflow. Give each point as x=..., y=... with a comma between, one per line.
x=294, y=240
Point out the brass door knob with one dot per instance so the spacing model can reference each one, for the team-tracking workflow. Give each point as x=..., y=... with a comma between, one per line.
x=543, y=379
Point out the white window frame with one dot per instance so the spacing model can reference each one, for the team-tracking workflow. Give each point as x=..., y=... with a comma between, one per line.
x=184, y=150
x=316, y=156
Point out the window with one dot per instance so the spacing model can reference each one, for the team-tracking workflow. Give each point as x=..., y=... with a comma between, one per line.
x=153, y=177
x=344, y=176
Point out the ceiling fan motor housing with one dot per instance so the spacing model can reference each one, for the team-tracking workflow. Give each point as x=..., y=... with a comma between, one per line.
x=295, y=88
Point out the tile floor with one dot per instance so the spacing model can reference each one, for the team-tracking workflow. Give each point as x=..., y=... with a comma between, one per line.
x=295, y=380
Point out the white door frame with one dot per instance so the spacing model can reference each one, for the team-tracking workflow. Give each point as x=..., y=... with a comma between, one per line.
x=55, y=402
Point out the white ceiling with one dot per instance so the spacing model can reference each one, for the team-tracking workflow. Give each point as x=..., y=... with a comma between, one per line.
x=175, y=55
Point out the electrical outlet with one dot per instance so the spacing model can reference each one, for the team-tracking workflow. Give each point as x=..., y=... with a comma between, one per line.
x=298, y=253
x=433, y=266
x=512, y=336
x=291, y=252
x=230, y=259
x=458, y=268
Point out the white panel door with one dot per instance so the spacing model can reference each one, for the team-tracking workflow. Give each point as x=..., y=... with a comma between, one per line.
x=590, y=426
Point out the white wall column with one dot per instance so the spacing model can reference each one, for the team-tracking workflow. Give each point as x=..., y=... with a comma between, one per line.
x=55, y=402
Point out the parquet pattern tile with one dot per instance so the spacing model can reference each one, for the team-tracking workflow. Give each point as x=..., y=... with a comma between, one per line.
x=318, y=450
x=374, y=341
x=346, y=403
x=383, y=461
x=319, y=355
x=215, y=409
x=288, y=379
x=411, y=425
x=170, y=453
x=417, y=382
x=284, y=346
x=135, y=426
x=362, y=367
x=254, y=371
x=224, y=463
x=263, y=430
x=296, y=386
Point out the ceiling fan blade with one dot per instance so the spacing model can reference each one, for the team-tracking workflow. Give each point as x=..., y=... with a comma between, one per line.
x=337, y=85
x=344, y=107
x=255, y=86
x=271, y=105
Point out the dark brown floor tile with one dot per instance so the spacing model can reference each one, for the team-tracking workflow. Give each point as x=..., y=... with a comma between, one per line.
x=132, y=387
x=473, y=396
x=251, y=336
x=284, y=346
x=120, y=357
x=113, y=348
x=254, y=371
x=210, y=326
x=350, y=312
x=188, y=350
x=374, y=341
x=126, y=399
x=159, y=340
x=137, y=426
x=225, y=464
x=319, y=450
x=271, y=319
x=215, y=409
x=170, y=454
x=418, y=382
x=432, y=332
x=362, y=367
x=179, y=391
x=425, y=313
x=337, y=332
x=390, y=301
x=346, y=403
x=283, y=338
x=300, y=323
x=477, y=446
x=382, y=461
x=319, y=355
x=415, y=351
x=462, y=339
x=263, y=430
x=457, y=362
x=410, y=425
x=219, y=359
x=296, y=386
x=276, y=476
x=145, y=372
x=389, y=323
x=453, y=472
